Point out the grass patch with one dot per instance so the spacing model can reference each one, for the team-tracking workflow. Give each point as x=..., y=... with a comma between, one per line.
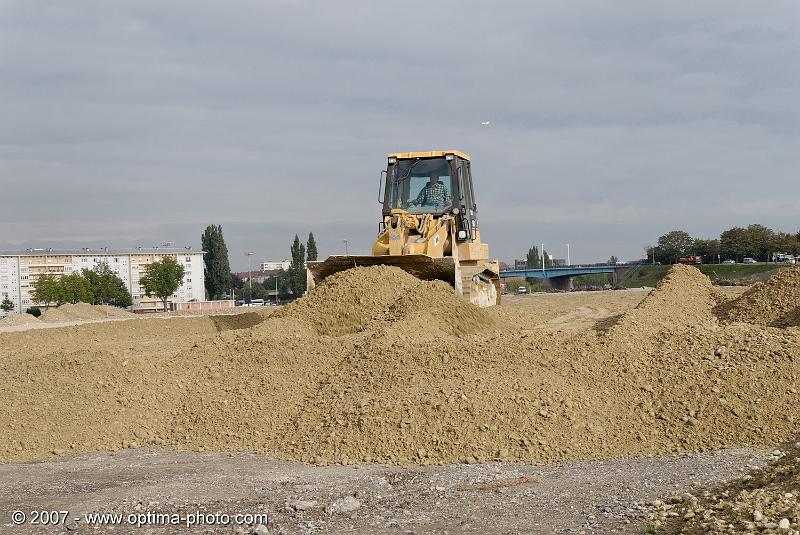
x=651, y=275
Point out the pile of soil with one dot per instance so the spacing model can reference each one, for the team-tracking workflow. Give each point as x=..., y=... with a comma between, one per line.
x=348, y=301
x=685, y=297
x=83, y=311
x=764, y=501
x=376, y=366
x=19, y=320
x=775, y=302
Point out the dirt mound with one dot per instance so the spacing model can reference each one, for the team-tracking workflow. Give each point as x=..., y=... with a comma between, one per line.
x=685, y=297
x=347, y=301
x=83, y=311
x=764, y=501
x=435, y=308
x=377, y=366
x=775, y=302
x=232, y=322
x=18, y=320
x=380, y=297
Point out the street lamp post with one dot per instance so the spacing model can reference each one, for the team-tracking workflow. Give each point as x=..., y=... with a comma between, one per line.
x=568, y=262
x=542, y=258
x=250, y=271
x=346, y=247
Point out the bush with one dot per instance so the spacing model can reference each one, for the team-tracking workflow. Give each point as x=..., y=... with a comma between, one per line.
x=34, y=311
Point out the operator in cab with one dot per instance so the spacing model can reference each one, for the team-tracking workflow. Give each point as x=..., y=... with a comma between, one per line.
x=433, y=194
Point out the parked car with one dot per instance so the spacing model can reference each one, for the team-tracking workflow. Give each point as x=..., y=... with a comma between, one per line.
x=522, y=290
x=749, y=260
x=729, y=261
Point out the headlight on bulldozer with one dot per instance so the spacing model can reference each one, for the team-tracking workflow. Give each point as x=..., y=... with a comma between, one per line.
x=462, y=234
x=456, y=211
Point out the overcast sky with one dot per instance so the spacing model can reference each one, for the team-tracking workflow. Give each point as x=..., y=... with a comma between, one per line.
x=140, y=122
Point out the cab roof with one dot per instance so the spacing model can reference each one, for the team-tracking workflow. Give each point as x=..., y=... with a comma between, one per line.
x=428, y=154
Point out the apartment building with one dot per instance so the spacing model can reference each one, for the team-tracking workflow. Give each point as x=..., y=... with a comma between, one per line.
x=20, y=269
x=275, y=265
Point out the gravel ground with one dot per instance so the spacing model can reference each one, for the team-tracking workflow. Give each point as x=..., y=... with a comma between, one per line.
x=585, y=497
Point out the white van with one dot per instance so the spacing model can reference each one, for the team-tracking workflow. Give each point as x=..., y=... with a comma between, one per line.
x=522, y=290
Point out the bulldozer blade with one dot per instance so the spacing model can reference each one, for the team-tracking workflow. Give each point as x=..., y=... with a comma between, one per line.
x=421, y=266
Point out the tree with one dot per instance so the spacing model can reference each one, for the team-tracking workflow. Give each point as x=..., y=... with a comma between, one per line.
x=613, y=260
x=297, y=269
x=107, y=288
x=311, y=247
x=216, y=264
x=533, y=257
x=281, y=281
x=673, y=245
x=759, y=239
x=733, y=243
x=236, y=281
x=548, y=260
x=162, y=278
x=7, y=305
x=47, y=289
x=258, y=291
x=708, y=249
x=76, y=289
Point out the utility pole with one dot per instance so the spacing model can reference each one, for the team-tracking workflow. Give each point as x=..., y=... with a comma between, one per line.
x=346, y=247
x=250, y=271
x=568, y=262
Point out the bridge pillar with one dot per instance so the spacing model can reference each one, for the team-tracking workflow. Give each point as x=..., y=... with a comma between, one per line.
x=561, y=283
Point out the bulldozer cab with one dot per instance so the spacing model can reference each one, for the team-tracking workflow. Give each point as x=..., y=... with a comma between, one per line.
x=433, y=183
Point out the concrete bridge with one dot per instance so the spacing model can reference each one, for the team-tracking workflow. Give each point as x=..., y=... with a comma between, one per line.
x=561, y=277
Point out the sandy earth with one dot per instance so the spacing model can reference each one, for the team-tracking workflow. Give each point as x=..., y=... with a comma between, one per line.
x=437, y=410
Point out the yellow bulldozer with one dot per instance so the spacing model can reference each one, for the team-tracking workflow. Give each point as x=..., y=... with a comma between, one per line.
x=429, y=227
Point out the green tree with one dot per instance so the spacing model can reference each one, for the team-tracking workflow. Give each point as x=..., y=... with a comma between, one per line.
x=759, y=240
x=258, y=291
x=162, y=278
x=613, y=260
x=733, y=243
x=311, y=248
x=283, y=283
x=708, y=249
x=107, y=287
x=47, y=289
x=548, y=260
x=76, y=289
x=236, y=281
x=297, y=269
x=7, y=305
x=216, y=263
x=673, y=245
x=533, y=257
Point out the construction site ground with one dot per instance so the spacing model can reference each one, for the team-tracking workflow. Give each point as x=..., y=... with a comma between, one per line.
x=382, y=404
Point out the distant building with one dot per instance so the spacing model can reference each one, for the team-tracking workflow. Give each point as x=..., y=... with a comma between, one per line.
x=275, y=266
x=520, y=264
x=258, y=276
x=20, y=269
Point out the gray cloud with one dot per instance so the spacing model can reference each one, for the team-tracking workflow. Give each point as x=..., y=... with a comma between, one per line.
x=128, y=123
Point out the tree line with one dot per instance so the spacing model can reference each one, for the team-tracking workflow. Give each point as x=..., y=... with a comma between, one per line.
x=754, y=241
x=98, y=286
x=289, y=283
